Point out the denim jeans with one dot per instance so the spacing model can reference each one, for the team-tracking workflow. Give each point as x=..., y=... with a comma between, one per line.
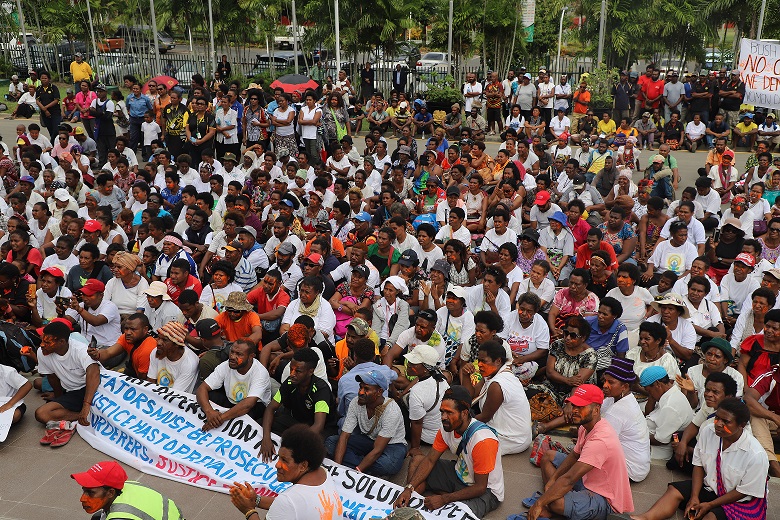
x=359, y=445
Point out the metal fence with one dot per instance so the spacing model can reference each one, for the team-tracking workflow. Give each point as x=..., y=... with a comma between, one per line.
x=111, y=67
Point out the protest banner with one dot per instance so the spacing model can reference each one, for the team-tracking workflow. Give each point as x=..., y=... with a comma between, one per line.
x=157, y=430
x=759, y=69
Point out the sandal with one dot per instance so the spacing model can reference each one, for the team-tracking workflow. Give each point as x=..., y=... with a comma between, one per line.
x=62, y=438
x=530, y=501
x=49, y=436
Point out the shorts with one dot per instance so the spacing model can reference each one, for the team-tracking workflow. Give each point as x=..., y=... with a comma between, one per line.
x=581, y=503
x=73, y=400
x=494, y=114
x=705, y=495
x=443, y=478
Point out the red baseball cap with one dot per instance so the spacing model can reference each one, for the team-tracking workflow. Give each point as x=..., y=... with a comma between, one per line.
x=92, y=225
x=746, y=259
x=728, y=153
x=542, y=197
x=316, y=258
x=66, y=321
x=56, y=272
x=92, y=287
x=584, y=395
x=107, y=473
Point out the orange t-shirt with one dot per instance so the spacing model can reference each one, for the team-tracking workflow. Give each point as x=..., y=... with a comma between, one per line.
x=336, y=245
x=483, y=455
x=141, y=355
x=580, y=98
x=242, y=328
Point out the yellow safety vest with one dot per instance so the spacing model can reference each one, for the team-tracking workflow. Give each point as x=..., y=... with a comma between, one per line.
x=139, y=502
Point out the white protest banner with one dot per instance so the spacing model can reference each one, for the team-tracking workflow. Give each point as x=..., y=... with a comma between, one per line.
x=759, y=69
x=157, y=430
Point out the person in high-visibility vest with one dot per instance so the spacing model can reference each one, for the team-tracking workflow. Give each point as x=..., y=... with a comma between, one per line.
x=106, y=488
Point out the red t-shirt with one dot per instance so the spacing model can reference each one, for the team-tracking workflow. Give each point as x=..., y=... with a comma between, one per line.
x=174, y=291
x=766, y=386
x=259, y=299
x=761, y=361
x=652, y=90
x=580, y=231
x=640, y=96
x=33, y=257
x=584, y=253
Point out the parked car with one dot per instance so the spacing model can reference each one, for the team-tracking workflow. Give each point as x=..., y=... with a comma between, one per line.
x=17, y=41
x=283, y=63
x=404, y=52
x=141, y=37
x=185, y=71
x=434, y=61
x=285, y=41
x=113, y=66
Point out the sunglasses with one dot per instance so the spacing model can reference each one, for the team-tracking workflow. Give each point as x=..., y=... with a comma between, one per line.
x=774, y=229
x=571, y=334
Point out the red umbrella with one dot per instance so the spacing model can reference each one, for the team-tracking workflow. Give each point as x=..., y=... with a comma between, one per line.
x=161, y=80
x=292, y=82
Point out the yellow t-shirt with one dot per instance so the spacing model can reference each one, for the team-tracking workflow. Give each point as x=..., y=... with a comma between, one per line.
x=743, y=128
x=80, y=71
x=607, y=127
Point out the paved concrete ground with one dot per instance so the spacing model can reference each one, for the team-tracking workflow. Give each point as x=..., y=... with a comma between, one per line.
x=36, y=481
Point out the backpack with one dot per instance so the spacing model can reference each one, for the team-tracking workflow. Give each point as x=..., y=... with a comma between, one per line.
x=12, y=339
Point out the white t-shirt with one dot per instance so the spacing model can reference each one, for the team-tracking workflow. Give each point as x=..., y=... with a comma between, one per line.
x=731, y=176
x=545, y=291
x=681, y=287
x=302, y=501
x=428, y=258
x=698, y=209
x=711, y=201
x=309, y=131
x=151, y=132
x=737, y=292
x=459, y=329
x=695, y=131
x=390, y=425
x=255, y=383
x=407, y=341
x=179, y=375
x=684, y=334
x=540, y=217
x=11, y=381
x=462, y=234
x=627, y=419
x=706, y=316
x=696, y=233
x=468, y=88
x=47, y=310
x=512, y=420
x=524, y=341
x=324, y=321
x=558, y=125
x=71, y=369
x=697, y=377
x=106, y=334
x=671, y=414
x=424, y=404
x=126, y=300
x=675, y=259
x=634, y=306
x=64, y=265
x=282, y=115
x=215, y=298
x=492, y=240
x=475, y=301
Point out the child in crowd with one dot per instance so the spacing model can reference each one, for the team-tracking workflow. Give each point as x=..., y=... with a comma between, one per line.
x=151, y=131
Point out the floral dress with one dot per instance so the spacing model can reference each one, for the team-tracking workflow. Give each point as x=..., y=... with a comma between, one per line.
x=310, y=222
x=525, y=264
x=770, y=254
x=616, y=239
x=567, y=366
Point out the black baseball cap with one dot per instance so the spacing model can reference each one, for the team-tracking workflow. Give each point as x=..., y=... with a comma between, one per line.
x=207, y=328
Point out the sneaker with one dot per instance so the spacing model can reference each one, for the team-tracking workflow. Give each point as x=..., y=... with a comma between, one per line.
x=62, y=438
x=49, y=436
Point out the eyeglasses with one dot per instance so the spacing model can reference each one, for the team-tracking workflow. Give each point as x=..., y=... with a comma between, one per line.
x=571, y=334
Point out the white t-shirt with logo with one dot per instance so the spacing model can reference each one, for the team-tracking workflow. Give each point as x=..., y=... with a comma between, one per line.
x=179, y=375
x=255, y=383
x=71, y=369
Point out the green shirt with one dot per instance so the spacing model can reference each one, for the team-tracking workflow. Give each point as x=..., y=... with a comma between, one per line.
x=382, y=263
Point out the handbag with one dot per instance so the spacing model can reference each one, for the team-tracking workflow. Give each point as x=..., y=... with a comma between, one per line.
x=341, y=130
x=544, y=408
x=343, y=319
x=759, y=227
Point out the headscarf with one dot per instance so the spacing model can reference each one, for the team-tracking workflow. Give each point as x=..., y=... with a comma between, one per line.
x=127, y=260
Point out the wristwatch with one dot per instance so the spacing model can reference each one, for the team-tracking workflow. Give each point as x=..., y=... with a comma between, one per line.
x=410, y=487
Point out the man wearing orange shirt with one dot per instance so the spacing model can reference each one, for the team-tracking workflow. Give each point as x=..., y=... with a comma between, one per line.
x=581, y=100
x=271, y=300
x=136, y=341
x=239, y=321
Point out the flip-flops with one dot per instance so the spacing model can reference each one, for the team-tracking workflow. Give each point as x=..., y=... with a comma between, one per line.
x=62, y=438
x=530, y=501
x=524, y=516
x=49, y=436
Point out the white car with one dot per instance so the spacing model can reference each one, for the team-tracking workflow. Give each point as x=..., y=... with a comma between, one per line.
x=434, y=61
x=113, y=66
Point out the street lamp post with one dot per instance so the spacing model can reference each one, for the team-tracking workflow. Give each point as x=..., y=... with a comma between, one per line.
x=158, y=67
x=24, y=35
x=295, y=36
x=212, y=52
x=338, y=36
x=560, y=40
x=602, y=31
x=449, y=40
x=761, y=19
